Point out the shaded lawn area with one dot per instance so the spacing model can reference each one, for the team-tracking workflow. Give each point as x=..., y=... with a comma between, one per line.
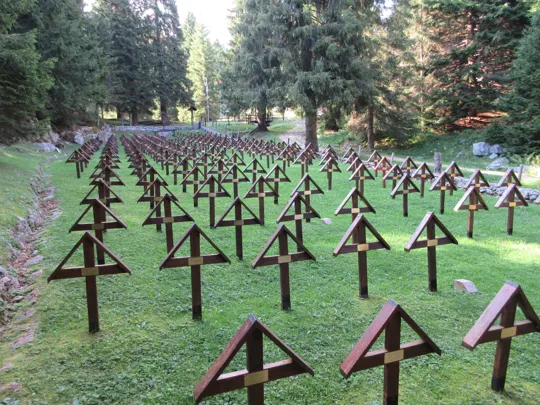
x=150, y=351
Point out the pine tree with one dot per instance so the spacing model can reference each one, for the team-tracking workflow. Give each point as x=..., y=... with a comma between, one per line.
x=520, y=131
x=476, y=41
x=169, y=62
x=24, y=77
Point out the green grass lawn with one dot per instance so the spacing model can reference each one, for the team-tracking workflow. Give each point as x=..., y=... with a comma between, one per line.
x=150, y=351
x=17, y=165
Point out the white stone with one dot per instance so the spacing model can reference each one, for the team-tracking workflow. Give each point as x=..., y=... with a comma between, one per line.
x=79, y=139
x=493, y=156
x=481, y=149
x=465, y=285
x=47, y=147
x=498, y=149
x=327, y=221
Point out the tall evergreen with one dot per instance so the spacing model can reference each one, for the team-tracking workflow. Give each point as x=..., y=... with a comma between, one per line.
x=476, y=42
x=24, y=77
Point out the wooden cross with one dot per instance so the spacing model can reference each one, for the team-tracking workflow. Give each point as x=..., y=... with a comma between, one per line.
x=261, y=189
x=304, y=160
x=348, y=153
x=357, y=231
x=407, y=186
x=453, y=171
x=89, y=271
x=195, y=177
x=471, y=201
x=255, y=168
x=152, y=194
x=374, y=159
x=443, y=183
x=388, y=321
x=195, y=260
x=80, y=158
x=256, y=373
x=408, y=165
x=282, y=235
x=149, y=176
x=275, y=176
x=383, y=166
x=330, y=167
x=104, y=194
x=508, y=179
x=424, y=174
x=504, y=305
x=99, y=224
x=510, y=199
x=360, y=175
x=477, y=180
x=354, y=196
x=182, y=167
x=238, y=222
x=310, y=188
x=215, y=190
x=300, y=213
x=107, y=175
x=167, y=202
x=234, y=175
x=429, y=223
x=395, y=173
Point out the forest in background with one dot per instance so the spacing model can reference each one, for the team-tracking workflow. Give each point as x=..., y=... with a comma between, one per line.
x=381, y=70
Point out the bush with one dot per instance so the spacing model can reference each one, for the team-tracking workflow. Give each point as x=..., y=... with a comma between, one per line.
x=518, y=138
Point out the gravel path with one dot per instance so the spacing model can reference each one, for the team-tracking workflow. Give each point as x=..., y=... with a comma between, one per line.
x=297, y=134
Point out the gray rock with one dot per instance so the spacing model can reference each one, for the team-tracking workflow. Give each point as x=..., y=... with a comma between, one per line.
x=47, y=147
x=3, y=272
x=498, y=149
x=24, y=339
x=34, y=260
x=51, y=137
x=497, y=164
x=493, y=156
x=465, y=285
x=537, y=201
x=11, y=387
x=327, y=221
x=79, y=139
x=6, y=367
x=9, y=284
x=36, y=274
x=481, y=149
x=462, y=142
x=460, y=154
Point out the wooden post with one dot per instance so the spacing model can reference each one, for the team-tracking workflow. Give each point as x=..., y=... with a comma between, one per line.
x=392, y=334
x=91, y=288
x=431, y=257
x=196, y=282
x=284, y=272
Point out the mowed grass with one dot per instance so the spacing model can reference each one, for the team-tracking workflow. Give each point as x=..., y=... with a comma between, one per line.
x=17, y=165
x=150, y=351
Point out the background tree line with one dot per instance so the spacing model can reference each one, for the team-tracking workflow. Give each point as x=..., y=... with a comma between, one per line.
x=382, y=69
x=387, y=69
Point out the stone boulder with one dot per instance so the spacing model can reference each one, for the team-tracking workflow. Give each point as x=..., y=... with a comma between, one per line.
x=481, y=149
x=78, y=139
x=498, y=164
x=497, y=149
x=47, y=147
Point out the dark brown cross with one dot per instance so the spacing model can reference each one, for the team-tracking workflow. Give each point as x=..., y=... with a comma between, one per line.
x=407, y=186
x=215, y=190
x=329, y=168
x=443, y=183
x=167, y=202
x=383, y=166
x=89, y=271
x=388, y=321
x=152, y=194
x=395, y=174
x=408, y=165
x=477, y=180
x=508, y=179
x=424, y=174
x=261, y=189
x=357, y=232
x=504, y=305
x=99, y=224
x=471, y=201
x=275, y=176
x=284, y=257
x=104, y=194
x=195, y=177
x=182, y=167
x=430, y=223
x=238, y=222
x=195, y=260
x=80, y=158
x=256, y=373
x=354, y=196
x=510, y=199
x=453, y=171
x=307, y=187
x=302, y=210
x=360, y=175
x=255, y=168
x=234, y=175
x=374, y=160
x=107, y=175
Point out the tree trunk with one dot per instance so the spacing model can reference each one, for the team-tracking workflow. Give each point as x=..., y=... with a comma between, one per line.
x=119, y=113
x=311, y=129
x=261, y=120
x=371, y=129
x=164, y=114
x=331, y=117
x=134, y=117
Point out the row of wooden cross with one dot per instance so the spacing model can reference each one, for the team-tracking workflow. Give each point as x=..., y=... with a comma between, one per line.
x=388, y=321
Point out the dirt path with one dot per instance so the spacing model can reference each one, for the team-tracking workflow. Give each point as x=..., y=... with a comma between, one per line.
x=297, y=134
